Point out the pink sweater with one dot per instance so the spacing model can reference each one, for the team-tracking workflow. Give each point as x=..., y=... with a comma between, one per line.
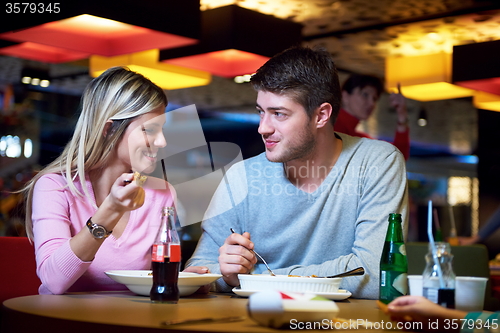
x=58, y=215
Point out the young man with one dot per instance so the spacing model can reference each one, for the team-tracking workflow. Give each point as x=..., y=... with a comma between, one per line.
x=360, y=94
x=316, y=202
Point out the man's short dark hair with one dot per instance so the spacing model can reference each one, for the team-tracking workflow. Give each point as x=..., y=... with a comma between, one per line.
x=308, y=76
x=360, y=81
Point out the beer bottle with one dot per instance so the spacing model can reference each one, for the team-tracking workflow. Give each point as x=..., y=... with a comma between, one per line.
x=165, y=261
x=393, y=263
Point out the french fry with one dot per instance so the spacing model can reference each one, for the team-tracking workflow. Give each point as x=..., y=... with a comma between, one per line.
x=139, y=179
x=382, y=306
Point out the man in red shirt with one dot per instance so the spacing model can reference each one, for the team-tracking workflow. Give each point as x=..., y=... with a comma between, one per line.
x=360, y=94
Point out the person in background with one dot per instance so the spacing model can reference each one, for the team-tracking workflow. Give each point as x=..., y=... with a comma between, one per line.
x=420, y=309
x=316, y=202
x=84, y=211
x=360, y=94
x=485, y=231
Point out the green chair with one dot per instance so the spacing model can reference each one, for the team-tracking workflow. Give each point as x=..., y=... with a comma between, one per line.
x=468, y=260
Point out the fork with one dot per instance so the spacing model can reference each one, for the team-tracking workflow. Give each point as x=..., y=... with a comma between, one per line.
x=260, y=257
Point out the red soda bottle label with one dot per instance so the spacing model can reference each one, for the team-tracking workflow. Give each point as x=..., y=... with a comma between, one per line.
x=158, y=253
x=175, y=252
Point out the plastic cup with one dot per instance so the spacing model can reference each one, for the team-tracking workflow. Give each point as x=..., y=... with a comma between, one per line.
x=469, y=293
x=415, y=284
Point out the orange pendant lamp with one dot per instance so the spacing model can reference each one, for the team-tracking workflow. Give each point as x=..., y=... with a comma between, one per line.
x=76, y=29
x=235, y=41
x=42, y=53
x=476, y=66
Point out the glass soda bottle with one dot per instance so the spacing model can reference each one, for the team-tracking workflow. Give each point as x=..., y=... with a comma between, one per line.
x=165, y=260
x=453, y=239
x=393, y=262
x=439, y=291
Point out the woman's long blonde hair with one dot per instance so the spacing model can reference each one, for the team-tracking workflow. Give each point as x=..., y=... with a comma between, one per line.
x=118, y=94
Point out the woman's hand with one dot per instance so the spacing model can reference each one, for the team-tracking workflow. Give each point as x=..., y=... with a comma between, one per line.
x=200, y=270
x=236, y=258
x=197, y=269
x=125, y=194
x=420, y=309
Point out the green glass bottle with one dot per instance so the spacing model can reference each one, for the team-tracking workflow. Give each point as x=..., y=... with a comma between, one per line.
x=393, y=263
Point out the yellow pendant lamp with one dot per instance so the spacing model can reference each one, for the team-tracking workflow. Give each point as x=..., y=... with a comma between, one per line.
x=424, y=78
x=146, y=62
x=486, y=101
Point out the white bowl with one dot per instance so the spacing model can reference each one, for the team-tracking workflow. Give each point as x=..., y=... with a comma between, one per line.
x=141, y=281
x=259, y=282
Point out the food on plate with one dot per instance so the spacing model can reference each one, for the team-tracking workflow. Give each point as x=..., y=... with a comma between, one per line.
x=309, y=276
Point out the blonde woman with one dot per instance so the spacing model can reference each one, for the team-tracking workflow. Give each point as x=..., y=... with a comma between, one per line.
x=85, y=213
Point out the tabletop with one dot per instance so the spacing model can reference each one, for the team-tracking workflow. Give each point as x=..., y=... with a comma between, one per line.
x=126, y=312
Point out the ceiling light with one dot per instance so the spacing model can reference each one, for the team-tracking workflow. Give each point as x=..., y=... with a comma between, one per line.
x=89, y=34
x=423, y=78
x=422, y=118
x=35, y=77
x=475, y=66
x=42, y=53
x=118, y=27
x=166, y=76
x=242, y=78
x=28, y=148
x=239, y=79
x=422, y=122
x=486, y=101
x=434, y=36
x=235, y=41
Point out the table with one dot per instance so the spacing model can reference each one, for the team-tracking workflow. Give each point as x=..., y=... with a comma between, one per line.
x=125, y=312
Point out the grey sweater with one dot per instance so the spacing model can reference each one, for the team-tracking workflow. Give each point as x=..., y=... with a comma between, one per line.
x=340, y=226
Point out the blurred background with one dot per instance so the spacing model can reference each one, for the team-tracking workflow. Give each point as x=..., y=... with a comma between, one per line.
x=454, y=157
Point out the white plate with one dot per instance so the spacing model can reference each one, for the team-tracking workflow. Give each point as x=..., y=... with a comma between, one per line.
x=140, y=281
x=338, y=296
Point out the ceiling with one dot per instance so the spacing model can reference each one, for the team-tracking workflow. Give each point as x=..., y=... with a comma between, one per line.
x=360, y=34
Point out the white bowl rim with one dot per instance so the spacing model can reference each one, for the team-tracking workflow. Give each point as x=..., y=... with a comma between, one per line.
x=144, y=274
x=281, y=278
